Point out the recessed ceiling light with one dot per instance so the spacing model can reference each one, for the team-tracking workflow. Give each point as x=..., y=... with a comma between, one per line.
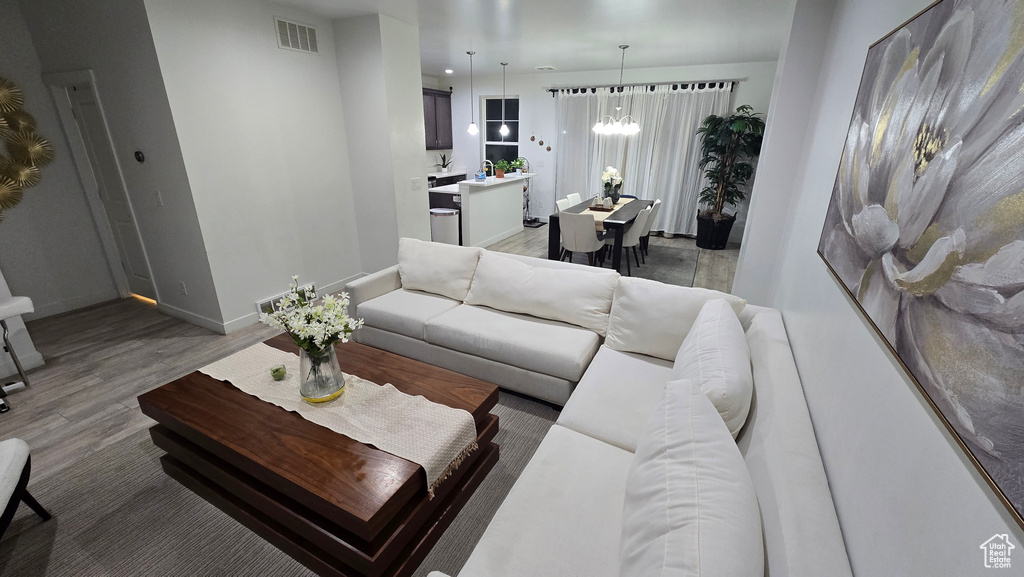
x=449, y=71
x=546, y=68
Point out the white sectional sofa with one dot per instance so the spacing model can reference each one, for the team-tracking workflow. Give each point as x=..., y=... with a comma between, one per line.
x=583, y=505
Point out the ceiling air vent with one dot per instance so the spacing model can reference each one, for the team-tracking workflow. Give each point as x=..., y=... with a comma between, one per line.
x=295, y=36
x=546, y=68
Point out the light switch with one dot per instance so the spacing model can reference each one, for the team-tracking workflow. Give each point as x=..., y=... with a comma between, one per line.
x=416, y=183
x=159, y=199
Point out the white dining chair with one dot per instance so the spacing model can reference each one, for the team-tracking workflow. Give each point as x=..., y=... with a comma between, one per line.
x=579, y=234
x=646, y=233
x=562, y=204
x=574, y=199
x=631, y=237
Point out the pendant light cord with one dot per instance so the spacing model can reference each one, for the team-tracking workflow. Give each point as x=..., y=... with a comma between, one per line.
x=472, y=113
x=503, y=65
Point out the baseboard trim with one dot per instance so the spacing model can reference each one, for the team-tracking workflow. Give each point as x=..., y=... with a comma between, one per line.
x=192, y=318
x=254, y=317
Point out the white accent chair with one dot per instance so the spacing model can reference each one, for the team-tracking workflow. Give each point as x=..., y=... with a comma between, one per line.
x=631, y=236
x=579, y=234
x=15, y=468
x=646, y=234
x=574, y=199
x=11, y=307
x=562, y=204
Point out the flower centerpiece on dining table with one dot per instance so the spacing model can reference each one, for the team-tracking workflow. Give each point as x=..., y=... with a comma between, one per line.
x=315, y=325
x=612, y=183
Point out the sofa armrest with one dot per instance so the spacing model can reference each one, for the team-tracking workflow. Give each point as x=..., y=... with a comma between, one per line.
x=372, y=286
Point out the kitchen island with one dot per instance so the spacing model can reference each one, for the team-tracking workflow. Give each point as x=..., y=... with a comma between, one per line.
x=491, y=210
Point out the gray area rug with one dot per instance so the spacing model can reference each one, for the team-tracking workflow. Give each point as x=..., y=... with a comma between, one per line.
x=667, y=264
x=116, y=513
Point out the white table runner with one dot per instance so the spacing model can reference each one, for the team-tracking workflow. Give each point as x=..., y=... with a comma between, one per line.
x=600, y=215
x=435, y=436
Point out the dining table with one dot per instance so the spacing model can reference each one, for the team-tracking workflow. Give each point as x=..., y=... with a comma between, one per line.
x=615, y=224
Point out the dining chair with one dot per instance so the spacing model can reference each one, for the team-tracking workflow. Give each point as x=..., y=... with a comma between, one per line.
x=631, y=237
x=574, y=199
x=579, y=234
x=15, y=468
x=626, y=196
x=562, y=204
x=646, y=233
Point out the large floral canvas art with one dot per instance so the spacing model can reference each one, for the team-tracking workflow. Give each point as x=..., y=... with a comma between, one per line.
x=925, y=228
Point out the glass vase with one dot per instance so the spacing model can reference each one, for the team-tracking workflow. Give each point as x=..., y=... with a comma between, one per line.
x=320, y=373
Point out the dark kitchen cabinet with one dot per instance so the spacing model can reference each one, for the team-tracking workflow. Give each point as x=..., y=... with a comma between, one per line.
x=437, y=118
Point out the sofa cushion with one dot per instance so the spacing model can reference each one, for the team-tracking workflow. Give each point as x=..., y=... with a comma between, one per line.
x=437, y=268
x=616, y=397
x=562, y=517
x=539, y=345
x=578, y=297
x=404, y=311
x=689, y=507
x=715, y=356
x=652, y=318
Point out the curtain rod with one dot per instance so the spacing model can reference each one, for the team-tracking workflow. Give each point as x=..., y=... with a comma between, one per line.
x=650, y=85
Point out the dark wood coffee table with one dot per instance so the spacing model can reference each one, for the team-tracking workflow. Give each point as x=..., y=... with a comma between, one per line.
x=337, y=506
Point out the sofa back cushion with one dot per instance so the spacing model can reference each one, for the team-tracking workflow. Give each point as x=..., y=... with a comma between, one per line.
x=652, y=318
x=437, y=268
x=578, y=297
x=690, y=508
x=714, y=355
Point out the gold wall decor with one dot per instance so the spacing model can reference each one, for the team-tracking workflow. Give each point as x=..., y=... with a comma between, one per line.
x=11, y=97
x=30, y=147
x=28, y=150
x=20, y=121
x=22, y=173
x=10, y=193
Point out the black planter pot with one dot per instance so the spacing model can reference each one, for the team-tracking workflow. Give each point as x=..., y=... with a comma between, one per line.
x=713, y=234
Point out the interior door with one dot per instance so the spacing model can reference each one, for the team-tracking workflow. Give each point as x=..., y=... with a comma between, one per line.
x=112, y=193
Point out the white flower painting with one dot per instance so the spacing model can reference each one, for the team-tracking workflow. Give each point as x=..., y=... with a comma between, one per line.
x=926, y=223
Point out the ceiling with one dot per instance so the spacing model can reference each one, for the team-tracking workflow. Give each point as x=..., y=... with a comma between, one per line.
x=578, y=35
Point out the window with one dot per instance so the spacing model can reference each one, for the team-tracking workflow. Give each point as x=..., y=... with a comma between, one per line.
x=496, y=146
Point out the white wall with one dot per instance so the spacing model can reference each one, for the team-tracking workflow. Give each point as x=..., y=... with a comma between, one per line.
x=401, y=42
x=49, y=248
x=113, y=38
x=794, y=92
x=538, y=115
x=909, y=501
x=263, y=139
x=384, y=106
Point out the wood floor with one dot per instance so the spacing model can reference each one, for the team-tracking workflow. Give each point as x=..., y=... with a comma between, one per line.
x=99, y=359
x=715, y=268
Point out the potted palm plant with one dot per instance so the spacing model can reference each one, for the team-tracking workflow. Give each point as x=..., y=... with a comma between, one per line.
x=728, y=144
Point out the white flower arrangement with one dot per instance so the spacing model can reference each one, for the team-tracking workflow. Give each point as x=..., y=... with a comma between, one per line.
x=313, y=325
x=611, y=176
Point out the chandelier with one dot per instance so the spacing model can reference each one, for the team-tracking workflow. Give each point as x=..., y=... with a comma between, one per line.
x=624, y=125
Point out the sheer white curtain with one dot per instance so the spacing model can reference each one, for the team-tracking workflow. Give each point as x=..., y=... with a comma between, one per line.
x=659, y=162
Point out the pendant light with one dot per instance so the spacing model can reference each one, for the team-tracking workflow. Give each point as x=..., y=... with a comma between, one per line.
x=624, y=125
x=473, y=130
x=504, y=128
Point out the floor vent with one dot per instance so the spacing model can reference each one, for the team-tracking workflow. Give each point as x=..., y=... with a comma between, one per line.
x=295, y=36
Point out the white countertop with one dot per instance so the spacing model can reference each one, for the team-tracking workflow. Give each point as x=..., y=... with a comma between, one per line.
x=446, y=174
x=495, y=181
x=448, y=188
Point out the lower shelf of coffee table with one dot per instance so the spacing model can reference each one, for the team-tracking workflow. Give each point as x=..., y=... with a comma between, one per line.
x=309, y=537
